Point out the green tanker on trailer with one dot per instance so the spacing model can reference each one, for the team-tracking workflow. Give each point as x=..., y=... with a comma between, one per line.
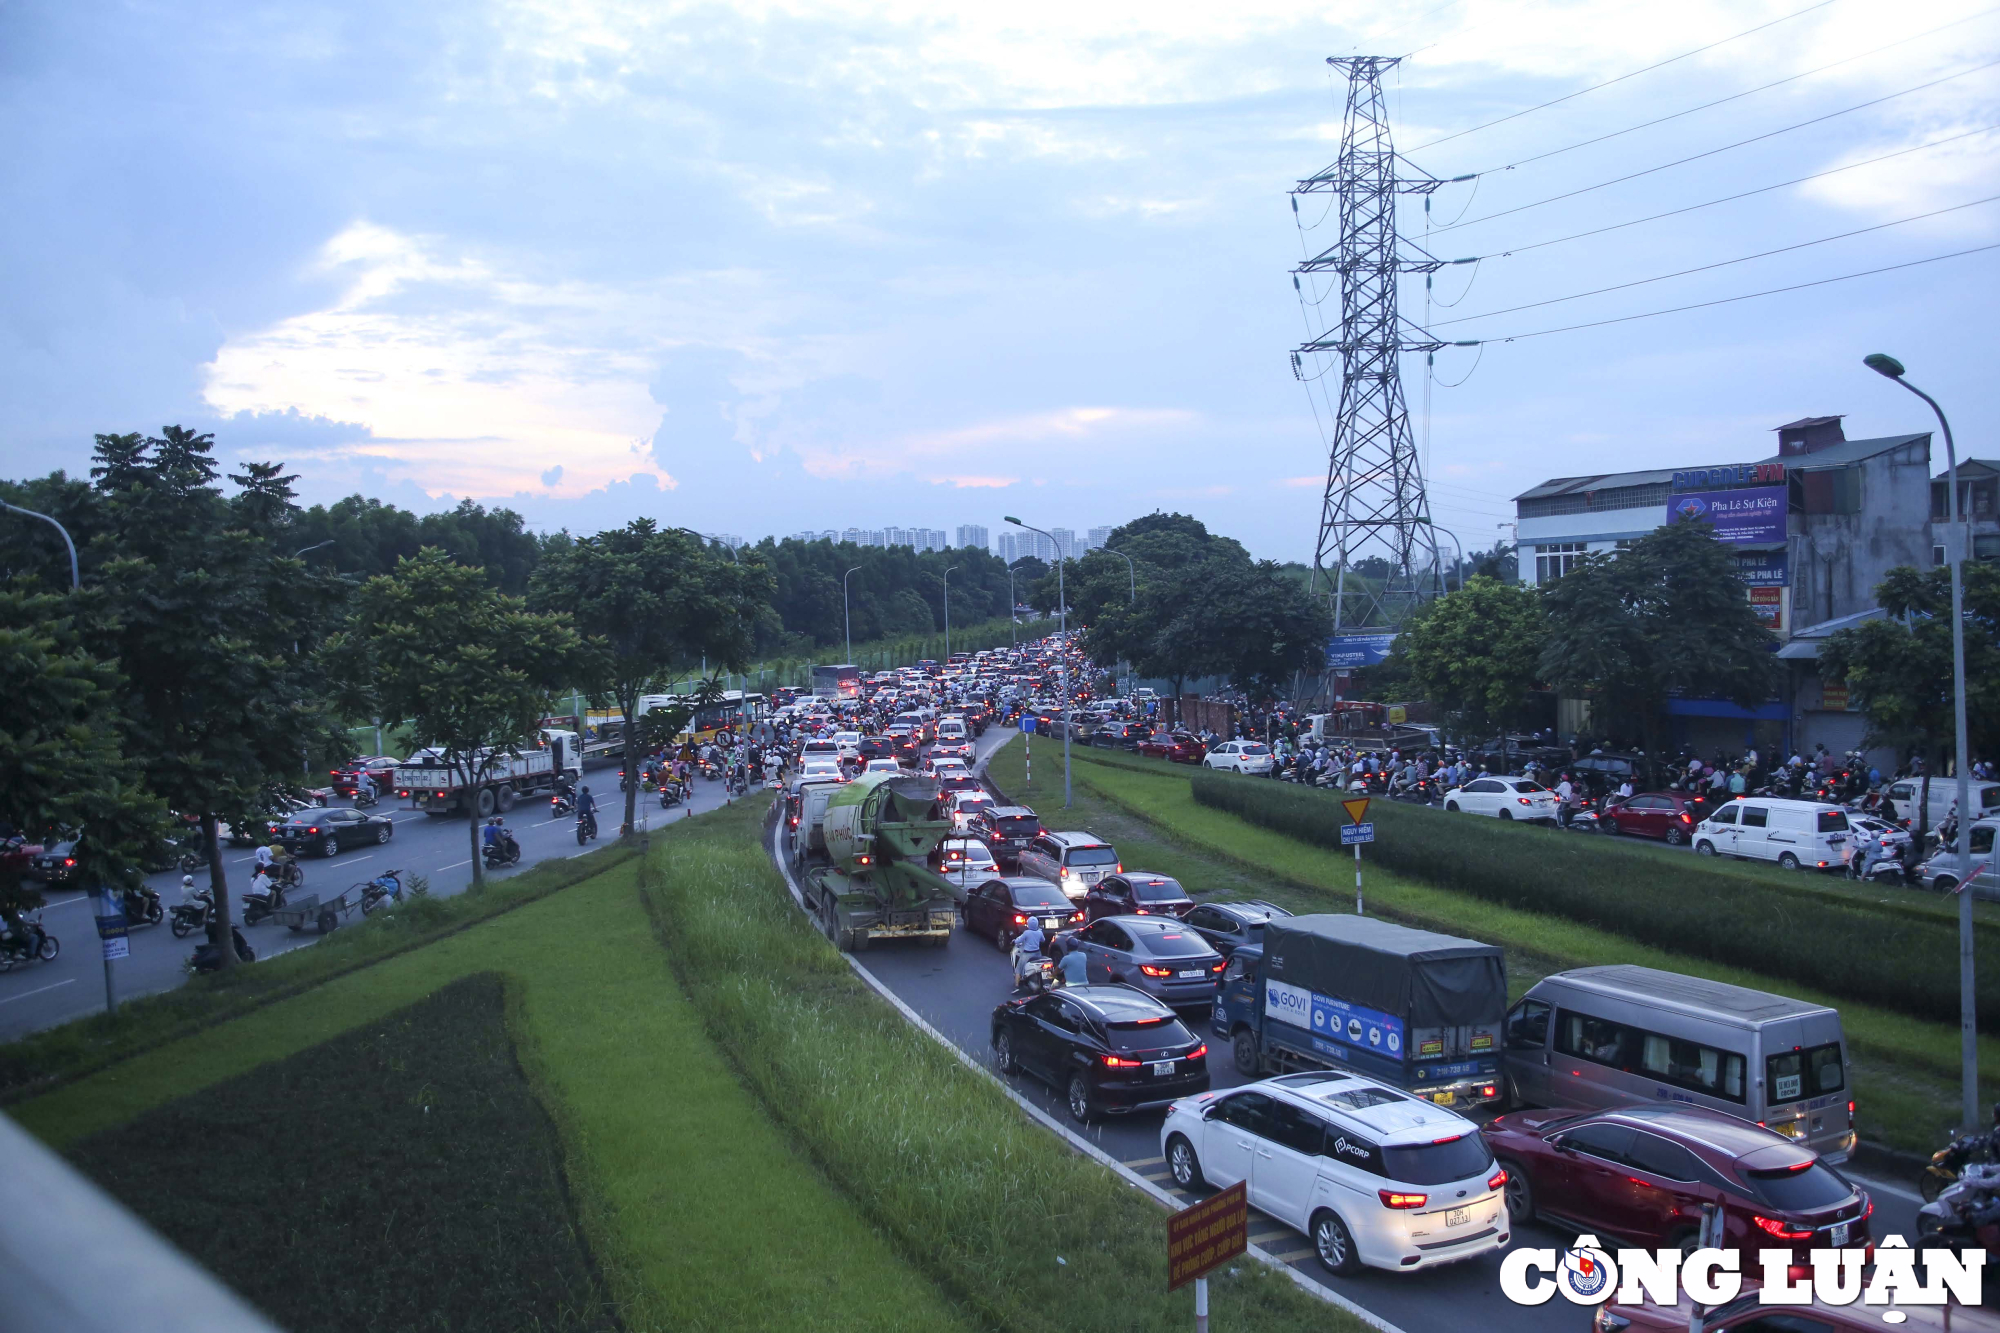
x=878, y=830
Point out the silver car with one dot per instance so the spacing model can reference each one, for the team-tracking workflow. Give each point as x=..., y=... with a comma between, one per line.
x=1161, y=956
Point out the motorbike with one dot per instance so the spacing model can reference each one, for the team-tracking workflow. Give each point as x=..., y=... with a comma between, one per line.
x=586, y=827
x=560, y=804
x=1887, y=870
x=142, y=907
x=191, y=915
x=502, y=851
x=206, y=958
x=1965, y=1214
x=27, y=942
x=387, y=885
x=260, y=903
x=671, y=795
x=364, y=799
x=1950, y=1162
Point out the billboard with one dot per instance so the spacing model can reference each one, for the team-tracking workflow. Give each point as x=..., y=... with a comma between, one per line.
x=1347, y=651
x=1763, y=569
x=1749, y=517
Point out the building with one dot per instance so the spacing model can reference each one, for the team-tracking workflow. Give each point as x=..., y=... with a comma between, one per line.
x=1095, y=539
x=1814, y=529
x=972, y=534
x=1979, y=500
x=1012, y=546
x=1065, y=542
x=807, y=536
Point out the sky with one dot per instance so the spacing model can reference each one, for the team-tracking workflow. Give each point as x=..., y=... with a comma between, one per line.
x=766, y=267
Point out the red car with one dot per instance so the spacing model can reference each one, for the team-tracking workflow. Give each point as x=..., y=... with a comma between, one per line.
x=1639, y=1175
x=1180, y=747
x=1669, y=815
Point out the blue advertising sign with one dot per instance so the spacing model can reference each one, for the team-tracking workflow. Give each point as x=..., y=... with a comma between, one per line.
x=1344, y=651
x=1763, y=569
x=1337, y=1020
x=1746, y=517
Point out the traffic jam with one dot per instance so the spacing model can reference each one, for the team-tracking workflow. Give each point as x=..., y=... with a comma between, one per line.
x=1369, y=1083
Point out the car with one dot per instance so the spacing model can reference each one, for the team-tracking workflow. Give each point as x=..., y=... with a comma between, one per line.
x=1371, y=1175
x=380, y=768
x=1107, y=1049
x=951, y=781
x=1231, y=926
x=965, y=807
x=875, y=747
x=1177, y=746
x=1136, y=893
x=963, y=861
x=1240, y=757
x=1504, y=798
x=1073, y=861
x=1001, y=907
x=1006, y=829
x=823, y=770
x=959, y=750
x=1157, y=955
x=328, y=832
x=1668, y=815
x=55, y=863
x=1117, y=735
x=889, y=766
x=1601, y=770
x=1640, y=1176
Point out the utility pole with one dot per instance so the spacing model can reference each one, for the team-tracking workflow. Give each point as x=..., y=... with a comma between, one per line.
x=947, y=613
x=846, y=616
x=1374, y=505
x=1062, y=661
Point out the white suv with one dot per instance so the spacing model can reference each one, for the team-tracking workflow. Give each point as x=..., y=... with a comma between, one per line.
x=1243, y=756
x=1372, y=1175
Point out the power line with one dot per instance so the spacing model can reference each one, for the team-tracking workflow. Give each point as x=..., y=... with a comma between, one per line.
x=1720, y=263
x=1748, y=92
x=1731, y=198
x=1747, y=296
x=1740, y=143
x=1622, y=77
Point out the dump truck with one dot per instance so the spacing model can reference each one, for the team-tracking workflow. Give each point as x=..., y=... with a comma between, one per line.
x=878, y=830
x=1419, y=1010
x=503, y=778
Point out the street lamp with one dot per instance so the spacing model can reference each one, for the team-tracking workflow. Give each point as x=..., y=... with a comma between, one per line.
x=947, y=612
x=846, y=616
x=1013, y=618
x=1062, y=661
x=1131, y=572
x=305, y=551
x=1954, y=553
x=74, y=582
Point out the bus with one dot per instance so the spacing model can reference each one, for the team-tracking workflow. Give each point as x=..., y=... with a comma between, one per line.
x=837, y=682
x=732, y=712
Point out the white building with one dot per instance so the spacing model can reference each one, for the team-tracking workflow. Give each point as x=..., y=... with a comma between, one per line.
x=1095, y=539
x=972, y=534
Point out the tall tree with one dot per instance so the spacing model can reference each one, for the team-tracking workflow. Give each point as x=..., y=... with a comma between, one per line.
x=1475, y=653
x=657, y=603
x=1898, y=669
x=1668, y=614
x=467, y=668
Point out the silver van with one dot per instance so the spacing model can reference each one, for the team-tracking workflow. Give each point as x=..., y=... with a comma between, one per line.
x=1615, y=1036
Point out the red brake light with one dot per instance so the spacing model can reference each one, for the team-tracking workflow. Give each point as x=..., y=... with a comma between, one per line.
x=1219, y=966
x=69, y=860
x=1498, y=1179
x=1198, y=1052
x=1020, y=920
x=1152, y=971
x=1120, y=870
x=1393, y=1199
x=1119, y=1062
x=1773, y=1226
x=1524, y=800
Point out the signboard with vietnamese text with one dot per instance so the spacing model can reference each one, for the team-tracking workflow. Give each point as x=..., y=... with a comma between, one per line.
x=1833, y=696
x=1769, y=604
x=1763, y=569
x=1728, y=475
x=1749, y=517
x=1359, y=650
x=1203, y=1238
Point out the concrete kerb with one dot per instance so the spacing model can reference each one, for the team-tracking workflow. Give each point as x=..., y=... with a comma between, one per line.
x=1077, y=1142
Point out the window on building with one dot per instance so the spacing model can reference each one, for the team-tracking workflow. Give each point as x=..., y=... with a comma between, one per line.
x=1556, y=559
x=1627, y=543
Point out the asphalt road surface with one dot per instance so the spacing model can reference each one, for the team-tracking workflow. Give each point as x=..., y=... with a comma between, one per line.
x=41, y=995
x=956, y=988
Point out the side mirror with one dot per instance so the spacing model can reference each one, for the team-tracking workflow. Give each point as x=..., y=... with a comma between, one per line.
x=1562, y=1145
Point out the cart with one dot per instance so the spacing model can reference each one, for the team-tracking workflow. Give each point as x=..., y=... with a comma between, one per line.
x=322, y=914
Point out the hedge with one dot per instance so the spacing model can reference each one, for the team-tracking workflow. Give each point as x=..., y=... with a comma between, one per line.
x=1906, y=964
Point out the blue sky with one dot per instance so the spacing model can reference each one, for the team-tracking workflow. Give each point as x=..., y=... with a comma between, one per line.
x=765, y=267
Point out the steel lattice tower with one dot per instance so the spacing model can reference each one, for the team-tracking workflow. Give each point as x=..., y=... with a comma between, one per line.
x=1374, y=502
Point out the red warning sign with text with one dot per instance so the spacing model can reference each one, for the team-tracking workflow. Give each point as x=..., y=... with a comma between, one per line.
x=1208, y=1235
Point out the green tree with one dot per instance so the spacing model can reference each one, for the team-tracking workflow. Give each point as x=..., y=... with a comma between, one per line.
x=655, y=603
x=1668, y=614
x=1475, y=653
x=467, y=668
x=1898, y=669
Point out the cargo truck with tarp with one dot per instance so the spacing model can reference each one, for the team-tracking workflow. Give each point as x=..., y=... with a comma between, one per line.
x=1413, y=1008
x=878, y=831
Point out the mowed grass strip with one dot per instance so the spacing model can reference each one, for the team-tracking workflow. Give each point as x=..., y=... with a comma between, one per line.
x=1030, y=1234
x=397, y=1173
x=700, y=1210
x=1905, y=1068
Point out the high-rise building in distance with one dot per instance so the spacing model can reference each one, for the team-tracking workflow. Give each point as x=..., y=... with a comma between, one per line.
x=972, y=534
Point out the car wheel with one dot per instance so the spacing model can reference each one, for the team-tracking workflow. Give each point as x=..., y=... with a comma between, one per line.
x=1182, y=1164
x=1704, y=848
x=1003, y=1053
x=1507, y=815
x=1244, y=1048
x=1334, y=1245
x=1001, y=940
x=1687, y=1242
x=1788, y=862
x=382, y=832
x=1944, y=884
x=1675, y=835
x=1520, y=1195
x=1451, y=806
x=1081, y=1107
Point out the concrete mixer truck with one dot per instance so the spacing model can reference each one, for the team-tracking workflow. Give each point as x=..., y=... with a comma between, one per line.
x=879, y=831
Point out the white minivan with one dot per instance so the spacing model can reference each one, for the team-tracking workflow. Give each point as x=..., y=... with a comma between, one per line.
x=1906, y=794
x=1795, y=834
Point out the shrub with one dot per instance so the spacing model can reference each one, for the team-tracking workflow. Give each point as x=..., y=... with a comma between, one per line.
x=1901, y=963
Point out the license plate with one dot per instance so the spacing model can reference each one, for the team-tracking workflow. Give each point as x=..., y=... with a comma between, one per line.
x=1193, y=972
x=1838, y=1237
x=1444, y=1098
x=1163, y=1067
x=1457, y=1217
x=1049, y=923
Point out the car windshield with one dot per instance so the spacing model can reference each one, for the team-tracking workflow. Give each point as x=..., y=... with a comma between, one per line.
x=1148, y=1034
x=1172, y=943
x=1017, y=826
x=1437, y=1163
x=1093, y=856
x=1040, y=895
x=1157, y=891
x=1798, y=1189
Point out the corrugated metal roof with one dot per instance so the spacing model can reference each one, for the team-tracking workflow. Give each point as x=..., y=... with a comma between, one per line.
x=1847, y=451
x=1807, y=423
x=1975, y=466
x=1602, y=482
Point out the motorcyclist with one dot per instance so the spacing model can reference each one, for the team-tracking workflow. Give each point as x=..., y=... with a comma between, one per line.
x=190, y=895
x=364, y=787
x=586, y=806
x=1027, y=950
x=1565, y=801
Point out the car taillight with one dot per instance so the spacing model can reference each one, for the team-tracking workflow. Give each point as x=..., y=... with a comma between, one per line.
x=1524, y=800
x=1152, y=971
x=1850, y=1113
x=1686, y=818
x=1396, y=1199
x=1020, y=920
x=1782, y=1231
x=1120, y=869
x=1198, y=1053
x=69, y=860
x=1497, y=1179
x=1219, y=966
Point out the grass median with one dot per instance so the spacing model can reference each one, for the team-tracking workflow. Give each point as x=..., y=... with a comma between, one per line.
x=1028, y=1234
x=1906, y=1069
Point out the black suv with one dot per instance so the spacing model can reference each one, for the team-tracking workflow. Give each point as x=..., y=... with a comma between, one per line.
x=1137, y=893
x=1006, y=829
x=1231, y=926
x=1105, y=1048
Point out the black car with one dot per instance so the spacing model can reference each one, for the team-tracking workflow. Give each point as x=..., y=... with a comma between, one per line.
x=1006, y=829
x=1136, y=893
x=56, y=863
x=326, y=832
x=875, y=747
x=1001, y=909
x=1230, y=926
x=1118, y=736
x=1108, y=1049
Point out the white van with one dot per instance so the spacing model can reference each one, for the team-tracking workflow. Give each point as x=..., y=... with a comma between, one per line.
x=1942, y=872
x=1795, y=834
x=1905, y=794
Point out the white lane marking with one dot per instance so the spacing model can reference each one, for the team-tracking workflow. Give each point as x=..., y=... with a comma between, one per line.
x=454, y=865
x=67, y=902
x=37, y=991
x=1884, y=1187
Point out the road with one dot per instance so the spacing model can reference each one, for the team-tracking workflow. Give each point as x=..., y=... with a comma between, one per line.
x=40, y=995
x=955, y=990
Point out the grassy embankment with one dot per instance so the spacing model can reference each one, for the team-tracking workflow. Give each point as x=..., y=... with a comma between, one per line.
x=699, y=1208
x=1905, y=1068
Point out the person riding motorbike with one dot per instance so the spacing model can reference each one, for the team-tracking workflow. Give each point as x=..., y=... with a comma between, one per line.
x=1027, y=951
x=586, y=807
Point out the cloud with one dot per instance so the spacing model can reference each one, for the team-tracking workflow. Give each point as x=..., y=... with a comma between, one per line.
x=552, y=477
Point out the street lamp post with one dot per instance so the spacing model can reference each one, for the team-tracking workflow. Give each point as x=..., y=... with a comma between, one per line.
x=1062, y=662
x=75, y=583
x=947, y=612
x=846, y=616
x=1131, y=573
x=1954, y=553
x=1013, y=620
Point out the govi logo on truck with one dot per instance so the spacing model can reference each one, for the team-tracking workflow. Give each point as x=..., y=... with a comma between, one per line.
x=1287, y=1003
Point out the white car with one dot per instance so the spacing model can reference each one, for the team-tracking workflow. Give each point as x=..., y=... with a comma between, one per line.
x=937, y=765
x=889, y=766
x=945, y=749
x=1372, y=1175
x=822, y=770
x=965, y=862
x=1504, y=798
x=848, y=744
x=1242, y=756
x=965, y=807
